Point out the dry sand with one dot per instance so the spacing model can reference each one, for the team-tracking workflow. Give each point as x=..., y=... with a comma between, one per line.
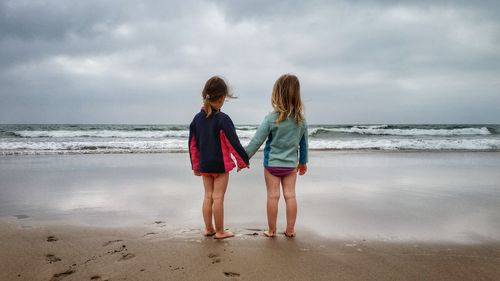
x=153, y=252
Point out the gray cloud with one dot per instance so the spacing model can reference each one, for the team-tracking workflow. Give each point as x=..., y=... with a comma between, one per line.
x=146, y=61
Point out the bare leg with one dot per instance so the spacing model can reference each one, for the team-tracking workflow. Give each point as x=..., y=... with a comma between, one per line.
x=208, y=184
x=220, y=186
x=273, y=196
x=288, y=183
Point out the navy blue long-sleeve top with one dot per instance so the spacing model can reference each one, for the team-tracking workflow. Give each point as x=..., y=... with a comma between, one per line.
x=212, y=140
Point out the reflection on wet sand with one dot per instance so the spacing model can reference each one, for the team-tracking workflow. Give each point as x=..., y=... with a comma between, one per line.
x=445, y=196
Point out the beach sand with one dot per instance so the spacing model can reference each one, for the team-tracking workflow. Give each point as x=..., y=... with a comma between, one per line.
x=87, y=253
x=362, y=216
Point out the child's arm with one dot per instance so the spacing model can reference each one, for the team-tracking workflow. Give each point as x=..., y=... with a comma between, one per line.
x=259, y=138
x=234, y=144
x=303, y=151
x=194, y=155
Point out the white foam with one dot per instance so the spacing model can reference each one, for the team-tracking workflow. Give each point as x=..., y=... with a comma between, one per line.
x=100, y=134
x=42, y=147
x=245, y=134
x=246, y=128
x=114, y=134
x=407, y=144
x=180, y=145
x=382, y=130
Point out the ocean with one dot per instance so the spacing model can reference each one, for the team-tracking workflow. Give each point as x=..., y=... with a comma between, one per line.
x=30, y=139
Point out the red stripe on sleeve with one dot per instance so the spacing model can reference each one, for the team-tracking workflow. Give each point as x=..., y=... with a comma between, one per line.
x=227, y=145
x=195, y=156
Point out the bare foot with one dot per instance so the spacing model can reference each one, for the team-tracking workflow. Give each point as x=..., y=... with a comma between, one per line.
x=270, y=233
x=209, y=232
x=289, y=234
x=225, y=234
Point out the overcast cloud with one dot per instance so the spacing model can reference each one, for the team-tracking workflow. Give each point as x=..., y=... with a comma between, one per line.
x=146, y=61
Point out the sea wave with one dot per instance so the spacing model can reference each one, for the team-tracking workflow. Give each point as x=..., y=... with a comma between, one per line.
x=384, y=130
x=245, y=133
x=99, y=134
x=246, y=128
x=53, y=147
x=249, y=131
x=180, y=145
x=408, y=144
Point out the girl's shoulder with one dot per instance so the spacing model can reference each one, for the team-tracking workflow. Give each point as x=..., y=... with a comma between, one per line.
x=222, y=115
x=271, y=116
x=223, y=119
x=199, y=115
x=270, y=119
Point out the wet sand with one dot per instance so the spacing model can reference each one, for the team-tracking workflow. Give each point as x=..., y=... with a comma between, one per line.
x=362, y=216
x=377, y=195
x=154, y=253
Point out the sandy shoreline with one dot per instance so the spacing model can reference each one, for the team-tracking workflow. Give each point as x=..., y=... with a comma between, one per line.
x=362, y=216
x=153, y=253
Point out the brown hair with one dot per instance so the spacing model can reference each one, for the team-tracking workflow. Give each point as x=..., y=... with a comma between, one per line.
x=286, y=99
x=215, y=88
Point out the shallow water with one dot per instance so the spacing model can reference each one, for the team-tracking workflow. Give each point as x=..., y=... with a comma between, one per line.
x=431, y=196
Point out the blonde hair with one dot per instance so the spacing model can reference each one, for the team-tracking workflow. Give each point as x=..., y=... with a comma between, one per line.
x=286, y=99
x=215, y=88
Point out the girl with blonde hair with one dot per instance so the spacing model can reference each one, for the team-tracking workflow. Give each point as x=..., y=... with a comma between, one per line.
x=285, y=153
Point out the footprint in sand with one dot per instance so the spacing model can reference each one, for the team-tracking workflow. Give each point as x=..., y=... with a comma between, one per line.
x=52, y=239
x=150, y=233
x=21, y=217
x=95, y=277
x=159, y=222
x=175, y=268
x=62, y=275
x=231, y=274
x=111, y=242
x=121, y=249
x=93, y=258
x=254, y=229
x=52, y=258
x=215, y=258
x=126, y=256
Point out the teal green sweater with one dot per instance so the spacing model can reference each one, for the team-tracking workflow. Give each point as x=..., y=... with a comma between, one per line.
x=286, y=144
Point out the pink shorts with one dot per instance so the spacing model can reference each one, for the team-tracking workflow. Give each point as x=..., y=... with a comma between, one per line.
x=280, y=171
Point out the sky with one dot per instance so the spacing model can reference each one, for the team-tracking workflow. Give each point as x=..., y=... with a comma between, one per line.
x=146, y=62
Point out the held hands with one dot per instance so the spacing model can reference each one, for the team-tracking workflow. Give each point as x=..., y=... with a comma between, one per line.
x=241, y=168
x=302, y=169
